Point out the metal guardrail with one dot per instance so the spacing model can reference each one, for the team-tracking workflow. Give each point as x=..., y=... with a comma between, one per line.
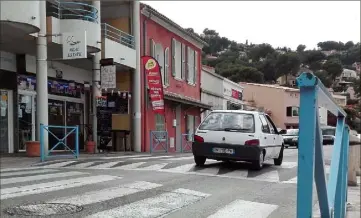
x=75, y=10
x=62, y=141
x=158, y=141
x=117, y=35
x=187, y=140
x=332, y=195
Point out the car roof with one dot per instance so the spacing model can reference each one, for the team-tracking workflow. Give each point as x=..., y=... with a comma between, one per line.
x=237, y=111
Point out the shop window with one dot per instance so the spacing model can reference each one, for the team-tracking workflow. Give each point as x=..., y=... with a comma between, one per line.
x=159, y=122
x=119, y=104
x=292, y=111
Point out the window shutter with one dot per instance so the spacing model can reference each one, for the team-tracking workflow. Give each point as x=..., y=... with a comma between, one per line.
x=173, y=57
x=166, y=66
x=151, y=48
x=195, y=67
x=289, y=112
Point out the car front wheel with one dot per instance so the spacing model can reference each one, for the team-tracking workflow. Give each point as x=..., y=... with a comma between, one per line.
x=199, y=160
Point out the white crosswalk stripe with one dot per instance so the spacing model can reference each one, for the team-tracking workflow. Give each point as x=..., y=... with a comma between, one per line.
x=160, y=203
x=26, y=172
x=53, y=186
x=106, y=165
x=241, y=208
x=148, y=158
x=61, y=164
x=82, y=165
x=130, y=166
x=39, y=177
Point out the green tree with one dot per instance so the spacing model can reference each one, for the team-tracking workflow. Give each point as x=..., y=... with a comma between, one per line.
x=268, y=67
x=333, y=67
x=288, y=64
x=301, y=48
x=349, y=45
x=331, y=45
x=260, y=51
x=324, y=77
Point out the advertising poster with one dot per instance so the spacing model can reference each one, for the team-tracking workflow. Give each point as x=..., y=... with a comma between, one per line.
x=154, y=82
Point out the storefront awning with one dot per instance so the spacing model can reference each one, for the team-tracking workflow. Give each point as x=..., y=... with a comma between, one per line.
x=185, y=100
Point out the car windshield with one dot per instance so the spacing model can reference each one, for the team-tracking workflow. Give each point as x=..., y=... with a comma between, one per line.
x=292, y=132
x=218, y=121
x=329, y=132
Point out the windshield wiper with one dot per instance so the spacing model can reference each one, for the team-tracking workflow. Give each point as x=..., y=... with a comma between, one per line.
x=235, y=129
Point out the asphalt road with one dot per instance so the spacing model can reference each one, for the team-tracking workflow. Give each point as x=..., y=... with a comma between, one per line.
x=144, y=186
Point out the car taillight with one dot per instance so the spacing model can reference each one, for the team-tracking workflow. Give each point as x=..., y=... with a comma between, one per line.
x=253, y=142
x=197, y=138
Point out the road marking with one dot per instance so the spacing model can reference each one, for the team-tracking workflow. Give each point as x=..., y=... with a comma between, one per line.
x=27, y=172
x=122, y=157
x=105, y=165
x=237, y=173
x=157, y=206
x=61, y=164
x=53, y=186
x=130, y=166
x=153, y=167
x=82, y=165
x=149, y=158
x=107, y=194
x=179, y=158
x=39, y=177
x=240, y=208
x=288, y=165
x=180, y=169
x=271, y=176
x=291, y=181
x=19, y=169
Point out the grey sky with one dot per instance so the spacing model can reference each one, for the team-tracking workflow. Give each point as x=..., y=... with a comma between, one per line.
x=280, y=23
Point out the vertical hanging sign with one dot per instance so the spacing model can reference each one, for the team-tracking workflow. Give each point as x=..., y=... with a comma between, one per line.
x=154, y=82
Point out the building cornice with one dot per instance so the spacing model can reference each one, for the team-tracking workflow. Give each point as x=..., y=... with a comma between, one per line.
x=211, y=93
x=172, y=26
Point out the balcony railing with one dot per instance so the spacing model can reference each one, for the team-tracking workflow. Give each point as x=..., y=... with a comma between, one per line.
x=73, y=10
x=117, y=35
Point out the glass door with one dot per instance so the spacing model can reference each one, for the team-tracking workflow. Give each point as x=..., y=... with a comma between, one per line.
x=6, y=121
x=26, y=117
x=75, y=117
x=56, y=118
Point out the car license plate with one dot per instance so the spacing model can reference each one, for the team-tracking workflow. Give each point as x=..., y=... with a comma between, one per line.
x=223, y=151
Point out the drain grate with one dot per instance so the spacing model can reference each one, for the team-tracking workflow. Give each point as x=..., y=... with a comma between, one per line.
x=45, y=209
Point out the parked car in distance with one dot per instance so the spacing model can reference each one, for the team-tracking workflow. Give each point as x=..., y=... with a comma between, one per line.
x=290, y=137
x=328, y=135
x=238, y=135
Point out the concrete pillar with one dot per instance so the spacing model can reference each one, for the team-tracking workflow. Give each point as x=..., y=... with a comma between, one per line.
x=42, y=75
x=354, y=160
x=136, y=92
x=96, y=74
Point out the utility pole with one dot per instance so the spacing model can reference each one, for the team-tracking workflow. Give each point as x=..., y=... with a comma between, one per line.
x=96, y=75
x=42, y=76
x=136, y=93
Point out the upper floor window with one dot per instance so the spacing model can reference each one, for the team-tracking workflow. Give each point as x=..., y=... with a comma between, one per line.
x=166, y=67
x=159, y=56
x=292, y=111
x=192, y=66
x=151, y=48
x=184, y=61
x=176, y=59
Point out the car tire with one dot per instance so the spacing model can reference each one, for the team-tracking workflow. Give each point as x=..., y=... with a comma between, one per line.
x=199, y=160
x=278, y=161
x=258, y=164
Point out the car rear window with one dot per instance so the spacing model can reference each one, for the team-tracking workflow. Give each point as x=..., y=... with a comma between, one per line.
x=217, y=121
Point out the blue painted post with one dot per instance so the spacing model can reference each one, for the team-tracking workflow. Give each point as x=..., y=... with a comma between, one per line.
x=306, y=149
x=42, y=158
x=320, y=176
x=77, y=141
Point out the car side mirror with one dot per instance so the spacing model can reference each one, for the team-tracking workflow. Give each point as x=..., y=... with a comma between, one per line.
x=282, y=132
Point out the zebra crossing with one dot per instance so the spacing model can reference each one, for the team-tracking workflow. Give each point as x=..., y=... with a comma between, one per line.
x=182, y=165
x=156, y=201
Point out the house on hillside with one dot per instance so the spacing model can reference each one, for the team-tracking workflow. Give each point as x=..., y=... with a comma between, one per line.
x=290, y=80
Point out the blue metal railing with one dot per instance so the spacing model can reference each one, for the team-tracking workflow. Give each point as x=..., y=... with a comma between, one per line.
x=117, y=35
x=331, y=194
x=187, y=140
x=60, y=141
x=158, y=141
x=75, y=10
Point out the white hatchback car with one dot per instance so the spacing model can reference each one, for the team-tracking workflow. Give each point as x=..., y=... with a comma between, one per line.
x=238, y=135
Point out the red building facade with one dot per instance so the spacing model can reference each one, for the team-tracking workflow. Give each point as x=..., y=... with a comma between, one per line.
x=179, y=55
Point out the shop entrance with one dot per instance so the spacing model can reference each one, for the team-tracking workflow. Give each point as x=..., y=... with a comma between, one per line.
x=26, y=117
x=6, y=121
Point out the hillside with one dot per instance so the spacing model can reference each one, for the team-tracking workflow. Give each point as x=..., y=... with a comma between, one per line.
x=262, y=63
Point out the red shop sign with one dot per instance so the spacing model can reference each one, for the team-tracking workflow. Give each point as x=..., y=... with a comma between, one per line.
x=235, y=94
x=154, y=81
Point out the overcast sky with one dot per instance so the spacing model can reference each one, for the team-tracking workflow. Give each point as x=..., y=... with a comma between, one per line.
x=279, y=23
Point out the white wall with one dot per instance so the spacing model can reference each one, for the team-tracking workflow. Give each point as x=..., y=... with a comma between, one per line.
x=27, y=12
x=118, y=52
x=216, y=102
x=69, y=72
x=7, y=61
x=211, y=83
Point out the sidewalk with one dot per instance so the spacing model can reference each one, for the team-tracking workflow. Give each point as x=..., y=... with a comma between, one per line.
x=353, y=199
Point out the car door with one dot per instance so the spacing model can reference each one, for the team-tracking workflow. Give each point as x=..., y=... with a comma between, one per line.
x=277, y=138
x=267, y=137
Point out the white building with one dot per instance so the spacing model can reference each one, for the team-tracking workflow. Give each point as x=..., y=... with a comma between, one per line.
x=50, y=53
x=220, y=92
